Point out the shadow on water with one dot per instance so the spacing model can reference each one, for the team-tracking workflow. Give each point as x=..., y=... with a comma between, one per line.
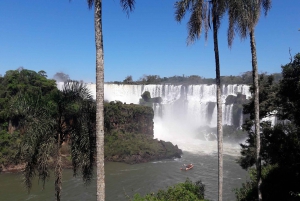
x=125, y=180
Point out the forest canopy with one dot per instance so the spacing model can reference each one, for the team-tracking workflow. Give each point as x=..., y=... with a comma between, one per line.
x=243, y=78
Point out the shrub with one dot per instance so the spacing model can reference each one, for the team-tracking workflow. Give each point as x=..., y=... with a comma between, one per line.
x=183, y=191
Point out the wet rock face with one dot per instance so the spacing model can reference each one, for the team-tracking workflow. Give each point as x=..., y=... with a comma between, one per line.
x=238, y=99
x=237, y=108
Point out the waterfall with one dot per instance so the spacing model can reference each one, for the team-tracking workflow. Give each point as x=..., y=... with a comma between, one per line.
x=184, y=108
x=187, y=103
x=227, y=117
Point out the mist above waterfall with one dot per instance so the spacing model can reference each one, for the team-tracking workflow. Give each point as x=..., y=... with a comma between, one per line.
x=183, y=111
x=187, y=113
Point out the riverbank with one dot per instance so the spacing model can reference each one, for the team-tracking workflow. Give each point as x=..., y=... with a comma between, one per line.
x=149, y=150
x=12, y=168
x=15, y=168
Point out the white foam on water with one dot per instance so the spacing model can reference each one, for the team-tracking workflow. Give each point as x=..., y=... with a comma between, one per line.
x=185, y=139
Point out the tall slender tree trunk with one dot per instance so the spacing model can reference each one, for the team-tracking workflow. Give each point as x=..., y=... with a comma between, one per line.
x=219, y=106
x=58, y=170
x=256, y=111
x=99, y=100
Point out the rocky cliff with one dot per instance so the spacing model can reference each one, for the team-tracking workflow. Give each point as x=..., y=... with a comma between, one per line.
x=129, y=135
x=128, y=118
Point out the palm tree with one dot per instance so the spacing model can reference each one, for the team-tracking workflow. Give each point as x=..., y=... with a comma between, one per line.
x=128, y=6
x=47, y=124
x=243, y=17
x=202, y=13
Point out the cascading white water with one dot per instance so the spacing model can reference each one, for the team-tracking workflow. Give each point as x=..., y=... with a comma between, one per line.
x=189, y=104
x=227, y=117
x=184, y=108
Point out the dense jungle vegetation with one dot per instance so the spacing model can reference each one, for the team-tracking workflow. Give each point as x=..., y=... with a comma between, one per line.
x=13, y=85
x=29, y=100
x=280, y=143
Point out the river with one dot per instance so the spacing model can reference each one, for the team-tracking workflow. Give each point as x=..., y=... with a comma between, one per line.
x=124, y=180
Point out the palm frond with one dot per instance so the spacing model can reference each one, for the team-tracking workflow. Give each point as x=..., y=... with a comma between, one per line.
x=74, y=90
x=127, y=5
x=220, y=11
x=230, y=32
x=83, y=139
x=206, y=15
x=44, y=130
x=197, y=18
x=36, y=147
x=244, y=14
x=237, y=15
x=90, y=3
x=201, y=16
x=267, y=4
x=181, y=7
x=46, y=151
x=29, y=174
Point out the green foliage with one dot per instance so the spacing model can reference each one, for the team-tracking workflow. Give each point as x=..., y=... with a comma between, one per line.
x=46, y=117
x=244, y=78
x=267, y=97
x=268, y=103
x=282, y=98
x=128, y=118
x=68, y=115
x=183, y=191
x=8, y=147
x=22, y=82
x=146, y=96
x=149, y=79
x=280, y=144
x=128, y=79
x=248, y=191
x=135, y=148
x=129, y=135
x=278, y=184
x=289, y=90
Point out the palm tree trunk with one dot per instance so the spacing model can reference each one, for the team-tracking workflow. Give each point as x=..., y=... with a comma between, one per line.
x=219, y=106
x=256, y=111
x=58, y=170
x=99, y=100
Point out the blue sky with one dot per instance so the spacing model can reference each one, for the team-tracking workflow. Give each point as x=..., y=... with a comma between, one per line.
x=58, y=36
